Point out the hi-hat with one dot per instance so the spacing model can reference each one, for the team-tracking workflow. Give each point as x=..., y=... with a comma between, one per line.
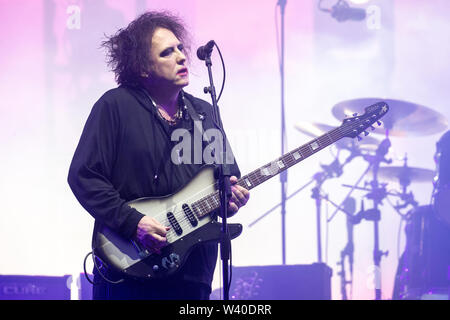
x=317, y=129
x=403, y=119
x=405, y=175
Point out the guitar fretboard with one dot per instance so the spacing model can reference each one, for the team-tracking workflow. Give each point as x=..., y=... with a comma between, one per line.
x=211, y=202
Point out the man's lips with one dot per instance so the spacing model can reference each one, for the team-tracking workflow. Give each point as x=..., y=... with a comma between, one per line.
x=183, y=71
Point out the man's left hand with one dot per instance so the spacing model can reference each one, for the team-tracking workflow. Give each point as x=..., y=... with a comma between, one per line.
x=239, y=196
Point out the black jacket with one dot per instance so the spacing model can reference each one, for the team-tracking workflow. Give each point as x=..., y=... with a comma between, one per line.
x=124, y=154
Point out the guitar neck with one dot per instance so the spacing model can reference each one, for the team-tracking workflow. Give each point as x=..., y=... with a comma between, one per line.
x=351, y=128
x=290, y=159
x=271, y=169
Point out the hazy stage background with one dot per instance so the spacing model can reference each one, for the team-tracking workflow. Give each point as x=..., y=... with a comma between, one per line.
x=52, y=72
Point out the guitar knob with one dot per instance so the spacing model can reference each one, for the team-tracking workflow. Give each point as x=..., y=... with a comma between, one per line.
x=155, y=268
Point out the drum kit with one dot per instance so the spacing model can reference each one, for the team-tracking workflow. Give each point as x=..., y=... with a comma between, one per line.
x=404, y=119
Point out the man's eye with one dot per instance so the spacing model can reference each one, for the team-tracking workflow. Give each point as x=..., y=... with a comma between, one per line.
x=166, y=52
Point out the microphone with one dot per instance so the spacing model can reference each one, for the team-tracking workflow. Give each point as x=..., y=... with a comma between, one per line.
x=341, y=11
x=204, y=51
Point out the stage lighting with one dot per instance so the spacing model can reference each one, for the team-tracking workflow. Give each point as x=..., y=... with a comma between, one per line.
x=342, y=11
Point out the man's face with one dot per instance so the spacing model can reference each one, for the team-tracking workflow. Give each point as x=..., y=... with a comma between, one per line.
x=167, y=60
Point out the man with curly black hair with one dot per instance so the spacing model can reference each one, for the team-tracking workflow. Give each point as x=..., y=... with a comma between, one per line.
x=125, y=150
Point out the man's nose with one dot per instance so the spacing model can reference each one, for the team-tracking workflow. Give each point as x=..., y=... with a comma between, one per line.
x=181, y=58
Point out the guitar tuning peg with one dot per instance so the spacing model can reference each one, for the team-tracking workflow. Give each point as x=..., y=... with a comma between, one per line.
x=366, y=133
x=355, y=114
x=359, y=138
x=379, y=123
x=372, y=128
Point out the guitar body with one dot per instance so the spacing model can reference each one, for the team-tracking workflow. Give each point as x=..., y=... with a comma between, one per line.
x=188, y=229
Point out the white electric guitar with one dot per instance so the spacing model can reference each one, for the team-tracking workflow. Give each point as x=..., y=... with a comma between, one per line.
x=189, y=212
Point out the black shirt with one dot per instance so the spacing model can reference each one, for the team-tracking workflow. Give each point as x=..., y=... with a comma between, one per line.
x=124, y=153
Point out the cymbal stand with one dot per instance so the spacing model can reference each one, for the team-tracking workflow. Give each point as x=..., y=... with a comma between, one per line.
x=348, y=208
x=352, y=188
x=406, y=197
x=343, y=275
x=335, y=169
x=377, y=194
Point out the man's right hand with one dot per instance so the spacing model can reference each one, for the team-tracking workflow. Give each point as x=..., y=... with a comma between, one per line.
x=151, y=234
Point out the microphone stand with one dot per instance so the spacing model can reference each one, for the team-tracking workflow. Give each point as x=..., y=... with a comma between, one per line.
x=283, y=175
x=320, y=179
x=223, y=175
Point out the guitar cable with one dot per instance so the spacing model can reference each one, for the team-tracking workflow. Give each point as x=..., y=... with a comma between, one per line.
x=94, y=257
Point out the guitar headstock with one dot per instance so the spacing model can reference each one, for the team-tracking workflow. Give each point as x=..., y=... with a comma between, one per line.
x=353, y=126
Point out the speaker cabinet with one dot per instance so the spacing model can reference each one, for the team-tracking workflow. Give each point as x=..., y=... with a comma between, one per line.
x=281, y=282
x=19, y=287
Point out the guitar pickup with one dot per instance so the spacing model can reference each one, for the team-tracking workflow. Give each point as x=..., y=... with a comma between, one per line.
x=174, y=223
x=189, y=214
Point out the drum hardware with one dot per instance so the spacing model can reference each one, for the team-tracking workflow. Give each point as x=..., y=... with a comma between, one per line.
x=360, y=148
x=407, y=120
x=334, y=169
x=376, y=192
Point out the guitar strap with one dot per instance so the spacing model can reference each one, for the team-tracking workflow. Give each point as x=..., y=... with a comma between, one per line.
x=197, y=119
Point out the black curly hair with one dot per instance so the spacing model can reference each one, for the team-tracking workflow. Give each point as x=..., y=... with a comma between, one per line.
x=128, y=50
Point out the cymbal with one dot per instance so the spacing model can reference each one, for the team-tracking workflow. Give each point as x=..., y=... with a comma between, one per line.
x=314, y=129
x=406, y=175
x=403, y=119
